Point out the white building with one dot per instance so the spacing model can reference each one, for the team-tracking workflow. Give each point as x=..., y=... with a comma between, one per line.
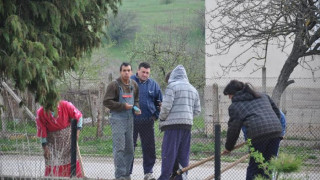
x=303, y=105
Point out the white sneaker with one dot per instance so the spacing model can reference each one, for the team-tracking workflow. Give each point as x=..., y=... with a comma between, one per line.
x=149, y=176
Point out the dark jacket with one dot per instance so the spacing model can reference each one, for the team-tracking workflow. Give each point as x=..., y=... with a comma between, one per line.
x=260, y=117
x=149, y=98
x=111, y=98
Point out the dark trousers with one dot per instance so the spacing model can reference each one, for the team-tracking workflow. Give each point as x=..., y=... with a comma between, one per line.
x=268, y=148
x=146, y=134
x=175, y=147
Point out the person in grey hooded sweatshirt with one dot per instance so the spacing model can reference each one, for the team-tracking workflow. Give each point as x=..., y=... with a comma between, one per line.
x=180, y=104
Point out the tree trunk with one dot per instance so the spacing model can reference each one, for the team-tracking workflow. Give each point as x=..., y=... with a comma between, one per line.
x=2, y=115
x=283, y=82
x=92, y=109
x=10, y=107
x=100, y=110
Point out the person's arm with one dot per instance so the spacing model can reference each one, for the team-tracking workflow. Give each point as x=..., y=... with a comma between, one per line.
x=46, y=152
x=74, y=113
x=136, y=94
x=283, y=124
x=166, y=104
x=197, y=106
x=111, y=98
x=42, y=133
x=234, y=127
x=158, y=101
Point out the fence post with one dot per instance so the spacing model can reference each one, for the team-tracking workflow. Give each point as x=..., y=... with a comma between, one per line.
x=105, y=109
x=217, y=151
x=2, y=115
x=264, y=80
x=73, y=147
x=284, y=102
x=215, y=104
x=100, y=110
x=110, y=77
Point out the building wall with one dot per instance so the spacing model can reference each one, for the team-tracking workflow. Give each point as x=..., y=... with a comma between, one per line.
x=275, y=60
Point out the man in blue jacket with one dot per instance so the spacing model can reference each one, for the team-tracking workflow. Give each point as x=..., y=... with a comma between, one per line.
x=150, y=100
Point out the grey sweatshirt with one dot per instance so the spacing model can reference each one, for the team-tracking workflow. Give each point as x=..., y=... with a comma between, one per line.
x=181, y=100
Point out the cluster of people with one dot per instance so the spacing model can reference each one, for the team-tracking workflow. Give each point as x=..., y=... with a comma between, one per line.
x=175, y=110
x=136, y=102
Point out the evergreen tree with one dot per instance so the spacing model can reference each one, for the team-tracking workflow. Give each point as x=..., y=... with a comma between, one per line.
x=42, y=39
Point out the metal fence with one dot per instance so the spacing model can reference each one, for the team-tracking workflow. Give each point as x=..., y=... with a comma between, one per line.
x=21, y=154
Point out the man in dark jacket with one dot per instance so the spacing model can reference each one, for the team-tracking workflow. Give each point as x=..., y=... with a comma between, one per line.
x=121, y=96
x=150, y=101
x=261, y=119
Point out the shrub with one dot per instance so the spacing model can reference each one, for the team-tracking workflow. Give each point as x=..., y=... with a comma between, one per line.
x=166, y=1
x=122, y=27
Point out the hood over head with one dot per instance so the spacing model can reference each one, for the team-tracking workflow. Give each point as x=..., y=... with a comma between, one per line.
x=178, y=74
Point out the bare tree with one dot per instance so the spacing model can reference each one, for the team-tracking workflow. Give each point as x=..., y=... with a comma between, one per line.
x=253, y=24
x=168, y=47
x=88, y=69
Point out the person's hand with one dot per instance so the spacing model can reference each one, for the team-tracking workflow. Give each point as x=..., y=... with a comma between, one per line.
x=137, y=112
x=154, y=118
x=159, y=105
x=128, y=106
x=46, y=152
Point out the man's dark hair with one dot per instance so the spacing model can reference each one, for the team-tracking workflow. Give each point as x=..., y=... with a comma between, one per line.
x=124, y=64
x=144, y=65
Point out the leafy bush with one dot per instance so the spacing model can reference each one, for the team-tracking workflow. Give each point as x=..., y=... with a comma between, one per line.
x=284, y=163
x=122, y=27
x=166, y=1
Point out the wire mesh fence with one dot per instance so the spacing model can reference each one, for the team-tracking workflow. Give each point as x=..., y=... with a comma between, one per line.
x=21, y=153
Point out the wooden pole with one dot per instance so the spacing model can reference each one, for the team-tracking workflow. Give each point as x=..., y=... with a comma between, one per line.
x=180, y=171
x=17, y=99
x=80, y=160
x=230, y=166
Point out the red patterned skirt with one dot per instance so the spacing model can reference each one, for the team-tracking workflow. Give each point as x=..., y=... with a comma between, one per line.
x=59, y=163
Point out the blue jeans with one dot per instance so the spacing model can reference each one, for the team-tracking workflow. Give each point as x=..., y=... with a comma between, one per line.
x=268, y=148
x=175, y=147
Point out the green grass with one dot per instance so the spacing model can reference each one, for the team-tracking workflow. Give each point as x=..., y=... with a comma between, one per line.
x=151, y=14
x=22, y=139
x=298, y=138
x=312, y=157
x=20, y=127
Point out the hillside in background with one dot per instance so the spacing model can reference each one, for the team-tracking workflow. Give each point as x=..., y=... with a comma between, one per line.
x=140, y=19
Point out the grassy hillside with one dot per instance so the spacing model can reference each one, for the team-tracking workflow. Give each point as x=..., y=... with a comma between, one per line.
x=152, y=17
x=153, y=13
